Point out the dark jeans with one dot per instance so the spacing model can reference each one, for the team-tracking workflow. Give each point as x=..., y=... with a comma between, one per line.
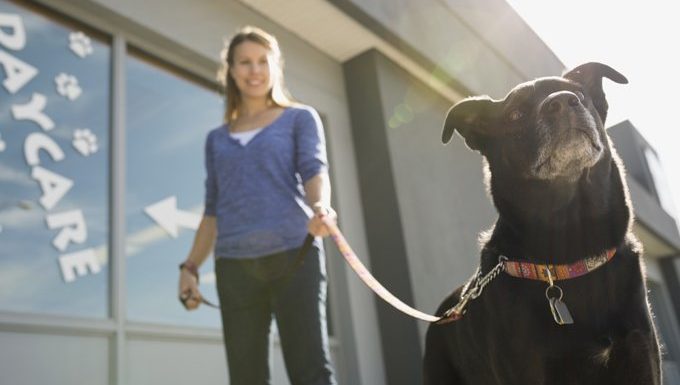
x=250, y=291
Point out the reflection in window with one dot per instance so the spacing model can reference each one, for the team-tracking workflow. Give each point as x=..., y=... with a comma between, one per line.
x=54, y=120
x=168, y=118
x=663, y=192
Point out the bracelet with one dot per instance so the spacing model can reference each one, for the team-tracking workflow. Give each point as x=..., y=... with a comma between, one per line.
x=190, y=267
x=319, y=206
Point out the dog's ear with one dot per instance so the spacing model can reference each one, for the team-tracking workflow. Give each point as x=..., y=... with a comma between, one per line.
x=472, y=118
x=590, y=76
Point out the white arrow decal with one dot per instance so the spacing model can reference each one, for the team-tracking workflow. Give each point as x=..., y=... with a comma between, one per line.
x=167, y=216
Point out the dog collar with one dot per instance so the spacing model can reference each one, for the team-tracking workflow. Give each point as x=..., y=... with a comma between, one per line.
x=528, y=270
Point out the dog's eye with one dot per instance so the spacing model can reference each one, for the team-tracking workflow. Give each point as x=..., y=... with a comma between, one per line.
x=515, y=115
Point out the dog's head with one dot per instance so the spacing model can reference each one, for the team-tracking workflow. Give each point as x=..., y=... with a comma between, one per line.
x=548, y=129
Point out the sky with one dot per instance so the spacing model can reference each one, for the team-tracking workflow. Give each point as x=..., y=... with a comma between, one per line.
x=641, y=40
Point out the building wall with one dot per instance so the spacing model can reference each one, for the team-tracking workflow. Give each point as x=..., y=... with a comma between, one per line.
x=440, y=189
x=470, y=44
x=424, y=202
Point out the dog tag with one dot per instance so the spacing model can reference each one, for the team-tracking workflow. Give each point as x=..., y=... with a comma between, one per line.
x=560, y=312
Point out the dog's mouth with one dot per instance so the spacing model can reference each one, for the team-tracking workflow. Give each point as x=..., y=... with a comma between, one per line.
x=591, y=136
x=568, y=151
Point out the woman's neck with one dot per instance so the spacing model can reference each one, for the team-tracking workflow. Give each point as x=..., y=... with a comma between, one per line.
x=252, y=107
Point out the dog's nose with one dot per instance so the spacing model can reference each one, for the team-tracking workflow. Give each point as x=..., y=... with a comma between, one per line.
x=560, y=101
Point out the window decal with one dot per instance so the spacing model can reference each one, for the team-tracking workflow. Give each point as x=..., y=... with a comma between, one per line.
x=80, y=44
x=67, y=86
x=18, y=72
x=33, y=110
x=85, y=142
x=71, y=225
x=168, y=217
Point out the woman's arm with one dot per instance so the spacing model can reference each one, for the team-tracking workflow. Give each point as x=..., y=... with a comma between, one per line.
x=318, y=195
x=312, y=165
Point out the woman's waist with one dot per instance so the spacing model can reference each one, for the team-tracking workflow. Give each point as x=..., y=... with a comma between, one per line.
x=259, y=242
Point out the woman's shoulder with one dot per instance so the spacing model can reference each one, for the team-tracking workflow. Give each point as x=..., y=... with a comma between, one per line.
x=302, y=109
x=304, y=113
x=219, y=130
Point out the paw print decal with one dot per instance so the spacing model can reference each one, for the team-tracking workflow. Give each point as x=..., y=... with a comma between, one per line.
x=80, y=44
x=67, y=85
x=85, y=142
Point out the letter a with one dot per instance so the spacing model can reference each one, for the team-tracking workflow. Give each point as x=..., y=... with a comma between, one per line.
x=18, y=72
x=54, y=186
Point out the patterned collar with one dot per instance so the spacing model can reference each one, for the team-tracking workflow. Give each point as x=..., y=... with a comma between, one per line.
x=528, y=270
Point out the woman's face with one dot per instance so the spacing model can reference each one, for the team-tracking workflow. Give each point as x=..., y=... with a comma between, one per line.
x=253, y=70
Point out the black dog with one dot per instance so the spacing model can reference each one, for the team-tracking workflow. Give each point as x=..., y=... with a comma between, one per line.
x=575, y=311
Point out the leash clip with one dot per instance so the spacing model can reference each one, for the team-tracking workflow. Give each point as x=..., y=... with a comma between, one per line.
x=472, y=290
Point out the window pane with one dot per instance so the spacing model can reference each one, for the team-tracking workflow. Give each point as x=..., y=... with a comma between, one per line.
x=168, y=118
x=54, y=151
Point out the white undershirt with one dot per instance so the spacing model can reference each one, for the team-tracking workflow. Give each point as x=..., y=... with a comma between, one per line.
x=245, y=136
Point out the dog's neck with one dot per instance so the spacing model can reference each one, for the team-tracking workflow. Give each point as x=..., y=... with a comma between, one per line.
x=565, y=223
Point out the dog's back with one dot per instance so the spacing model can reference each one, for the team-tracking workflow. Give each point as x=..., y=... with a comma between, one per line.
x=564, y=225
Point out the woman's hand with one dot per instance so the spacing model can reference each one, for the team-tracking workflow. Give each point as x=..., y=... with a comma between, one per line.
x=188, y=275
x=316, y=226
x=189, y=294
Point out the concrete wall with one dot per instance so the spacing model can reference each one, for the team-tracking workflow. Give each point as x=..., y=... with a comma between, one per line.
x=472, y=43
x=440, y=189
x=32, y=358
x=424, y=203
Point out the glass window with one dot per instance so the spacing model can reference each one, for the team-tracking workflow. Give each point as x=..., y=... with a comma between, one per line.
x=663, y=192
x=168, y=119
x=54, y=151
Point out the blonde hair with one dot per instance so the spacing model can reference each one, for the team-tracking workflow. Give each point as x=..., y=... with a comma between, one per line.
x=278, y=95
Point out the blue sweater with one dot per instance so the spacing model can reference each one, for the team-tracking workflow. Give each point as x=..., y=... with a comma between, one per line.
x=255, y=191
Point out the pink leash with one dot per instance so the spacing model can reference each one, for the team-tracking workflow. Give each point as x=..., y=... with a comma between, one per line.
x=367, y=277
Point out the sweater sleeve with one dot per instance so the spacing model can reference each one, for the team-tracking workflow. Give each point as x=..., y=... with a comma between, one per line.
x=310, y=142
x=210, y=180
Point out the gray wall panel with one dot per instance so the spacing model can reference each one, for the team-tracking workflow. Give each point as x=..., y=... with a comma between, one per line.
x=168, y=362
x=175, y=363
x=28, y=359
x=424, y=203
x=441, y=194
x=399, y=335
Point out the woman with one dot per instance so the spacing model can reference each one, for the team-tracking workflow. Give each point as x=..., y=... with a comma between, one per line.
x=256, y=218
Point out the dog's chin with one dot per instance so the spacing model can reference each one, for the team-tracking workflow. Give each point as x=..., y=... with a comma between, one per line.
x=571, y=144
x=569, y=160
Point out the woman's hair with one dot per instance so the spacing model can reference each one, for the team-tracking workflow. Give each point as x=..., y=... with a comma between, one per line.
x=278, y=95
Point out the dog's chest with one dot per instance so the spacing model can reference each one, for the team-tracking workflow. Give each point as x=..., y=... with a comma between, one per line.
x=512, y=327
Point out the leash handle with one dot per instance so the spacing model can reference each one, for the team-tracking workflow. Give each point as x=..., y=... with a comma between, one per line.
x=367, y=277
x=184, y=297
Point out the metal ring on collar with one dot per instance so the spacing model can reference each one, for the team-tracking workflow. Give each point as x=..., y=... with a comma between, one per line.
x=547, y=292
